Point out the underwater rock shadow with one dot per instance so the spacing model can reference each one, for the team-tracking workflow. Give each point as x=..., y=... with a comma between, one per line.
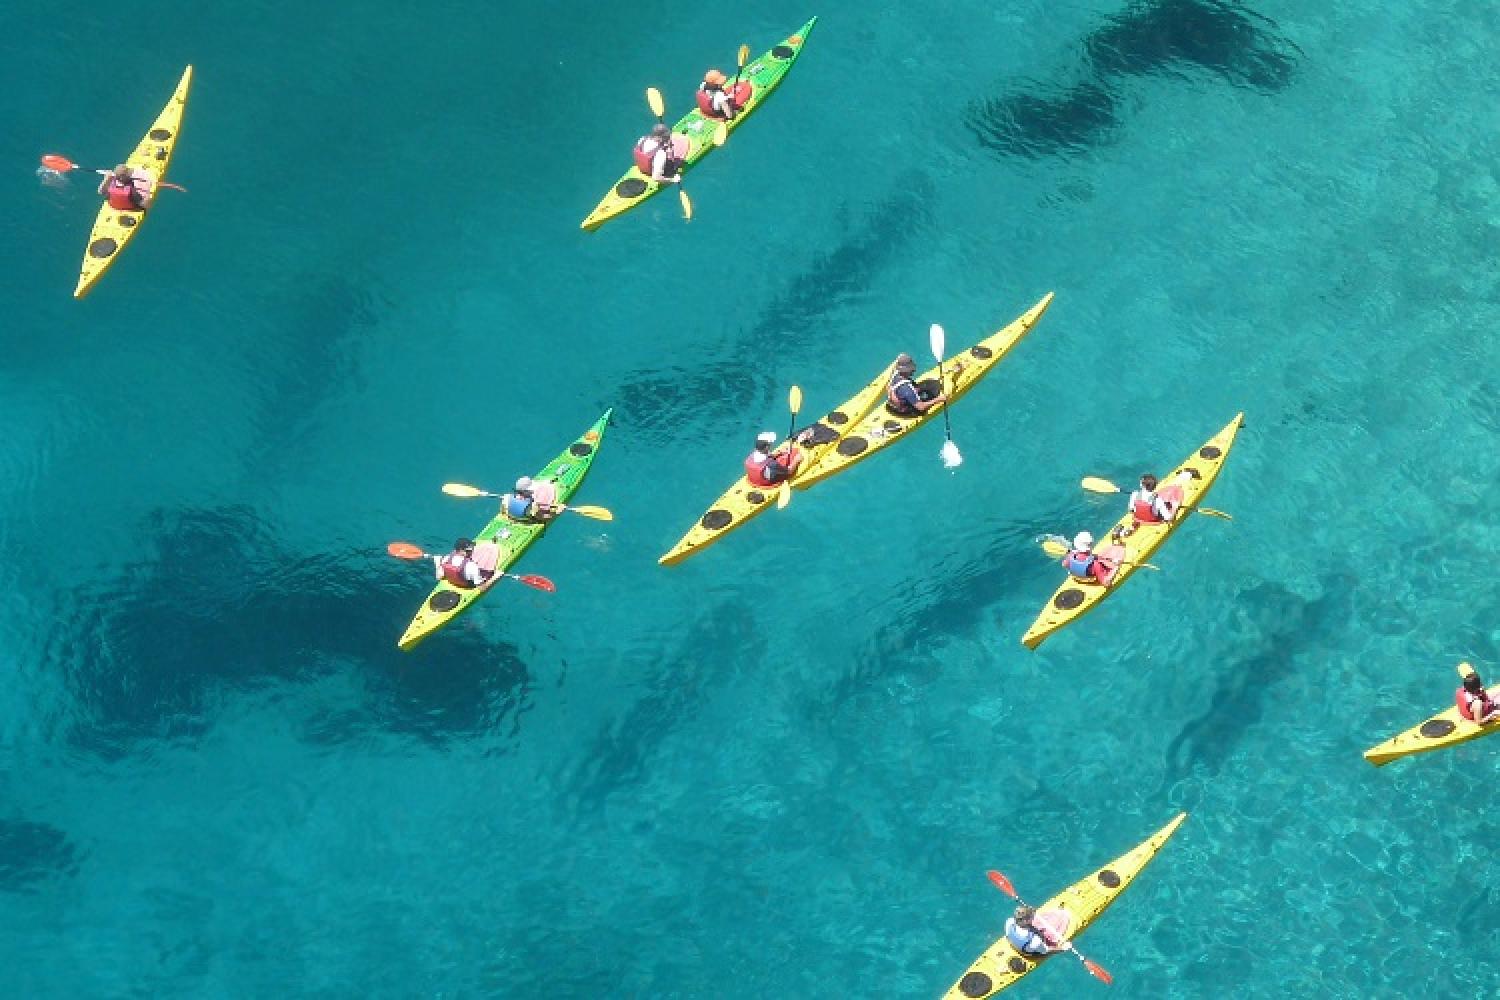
x=1176, y=38
x=719, y=392
x=31, y=853
x=217, y=603
x=1291, y=628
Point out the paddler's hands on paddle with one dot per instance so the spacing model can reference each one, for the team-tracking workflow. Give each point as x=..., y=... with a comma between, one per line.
x=61, y=164
x=1095, y=969
x=468, y=492
x=408, y=551
x=1097, y=484
x=659, y=109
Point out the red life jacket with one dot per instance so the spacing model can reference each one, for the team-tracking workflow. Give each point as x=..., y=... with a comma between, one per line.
x=120, y=195
x=1145, y=510
x=755, y=467
x=453, y=570
x=1465, y=702
x=739, y=97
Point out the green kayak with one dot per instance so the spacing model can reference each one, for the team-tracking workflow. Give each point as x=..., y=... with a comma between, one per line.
x=696, y=130
x=447, y=602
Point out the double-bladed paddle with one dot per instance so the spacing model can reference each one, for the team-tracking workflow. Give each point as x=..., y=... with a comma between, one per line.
x=406, y=550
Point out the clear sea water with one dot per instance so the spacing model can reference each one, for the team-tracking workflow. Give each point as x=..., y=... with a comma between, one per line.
x=781, y=769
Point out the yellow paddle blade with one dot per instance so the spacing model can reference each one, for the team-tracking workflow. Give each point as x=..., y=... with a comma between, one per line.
x=653, y=98
x=1144, y=566
x=597, y=513
x=1096, y=485
x=1054, y=548
x=794, y=398
x=687, y=205
x=1465, y=670
x=784, y=497
x=721, y=133
x=744, y=55
x=463, y=490
x=1213, y=513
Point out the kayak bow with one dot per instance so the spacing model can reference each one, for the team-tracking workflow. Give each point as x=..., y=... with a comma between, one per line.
x=114, y=228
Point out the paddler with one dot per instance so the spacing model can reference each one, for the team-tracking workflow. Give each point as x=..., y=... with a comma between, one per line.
x=1148, y=505
x=657, y=147
x=1035, y=933
x=1475, y=703
x=904, y=397
x=716, y=101
x=127, y=189
x=1087, y=566
x=531, y=501
x=764, y=467
x=459, y=568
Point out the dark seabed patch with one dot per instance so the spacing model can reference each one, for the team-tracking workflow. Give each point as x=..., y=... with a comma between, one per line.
x=31, y=853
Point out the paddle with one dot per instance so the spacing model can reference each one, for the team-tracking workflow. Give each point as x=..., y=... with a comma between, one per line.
x=1095, y=969
x=470, y=492
x=659, y=109
x=1056, y=545
x=794, y=400
x=1094, y=484
x=741, y=59
x=951, y=458
x=406, y=550
x=62, y=165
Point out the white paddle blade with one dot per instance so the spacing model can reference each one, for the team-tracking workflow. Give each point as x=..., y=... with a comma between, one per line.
x=937, y=339
x=951, y=458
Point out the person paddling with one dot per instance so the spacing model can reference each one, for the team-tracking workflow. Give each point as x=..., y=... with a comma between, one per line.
x=1150, y=505
x=1038, y=933
x=128, y=189
x=656, y=156
x=459, y=568
x=713, y=100
x=1475, y=703
x=904, y=397
x=763, y=467
x=531, y=501
x=1087, y=566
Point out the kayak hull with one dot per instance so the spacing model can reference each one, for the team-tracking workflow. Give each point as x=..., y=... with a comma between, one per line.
x=880, y=428
x=447, y=602
x=744, y=500
x=1002, y=965
x=1444, y=730
x=764, y=74
x=114, y=228
x=1073, y=599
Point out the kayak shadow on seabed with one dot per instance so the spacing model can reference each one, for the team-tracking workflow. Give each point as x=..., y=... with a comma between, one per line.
x=1163, y=37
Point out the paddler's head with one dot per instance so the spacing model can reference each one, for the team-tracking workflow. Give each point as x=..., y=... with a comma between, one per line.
x=764, y=440
x=464, y=545
x=1024, y=914
x=1148, y=483
x=660, y=131
x=714, y=78
x=905, y=365
x=1473, y=684
x=1083, y=542
x=121, y=172
x=524, y=486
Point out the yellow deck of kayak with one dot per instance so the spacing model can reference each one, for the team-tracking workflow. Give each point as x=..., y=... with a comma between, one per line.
x=1446, y=729
x=744, y=499
x=1075, y=598
x=1002, y=964
x=114, y=228
x=880, y=427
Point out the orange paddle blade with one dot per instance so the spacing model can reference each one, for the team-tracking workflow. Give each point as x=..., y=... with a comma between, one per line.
x=539, y=582
x=1097, y=970
x=405, y=550
x=1003, y=884
x=54, y=162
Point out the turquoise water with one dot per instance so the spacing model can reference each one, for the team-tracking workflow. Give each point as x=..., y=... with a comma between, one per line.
x=781, y=769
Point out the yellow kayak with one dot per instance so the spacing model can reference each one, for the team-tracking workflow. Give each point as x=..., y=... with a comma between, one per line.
x=1446, y=729
x=1002, y=964
x=113, y=228
x=744, y=499
x=881, y=427
x=1075, y=598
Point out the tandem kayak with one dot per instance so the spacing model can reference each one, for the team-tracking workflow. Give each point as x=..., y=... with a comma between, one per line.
x=1074, y=598
x=761, y=76
x=881, y=427
x=113, y=228
x=447, y=602
x=744, y=499
x=1002, y=965
x=1446, y=729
